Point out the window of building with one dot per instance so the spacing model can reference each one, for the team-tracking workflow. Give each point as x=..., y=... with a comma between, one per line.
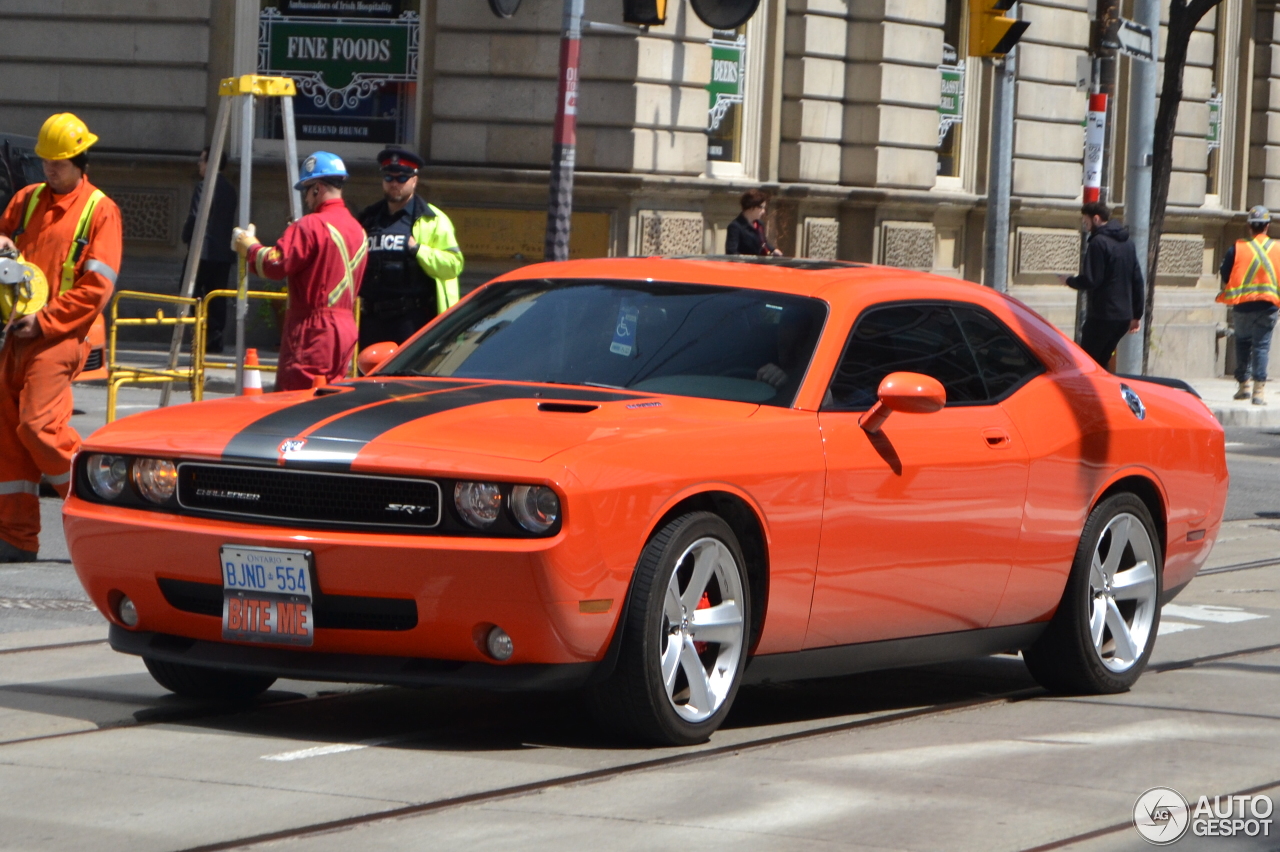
x=951, y=102
x=970, y=352
x=355, y=65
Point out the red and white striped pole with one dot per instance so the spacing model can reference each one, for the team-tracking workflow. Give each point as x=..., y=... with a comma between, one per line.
x=564, y=147
x=1095, y=135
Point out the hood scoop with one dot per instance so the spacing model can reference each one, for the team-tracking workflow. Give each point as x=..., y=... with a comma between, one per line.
x=567, y=407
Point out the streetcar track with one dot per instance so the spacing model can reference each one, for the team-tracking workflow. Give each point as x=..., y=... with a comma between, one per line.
x=519, y=790
x=1121, y=826
x=608, y=773
x=53, y=647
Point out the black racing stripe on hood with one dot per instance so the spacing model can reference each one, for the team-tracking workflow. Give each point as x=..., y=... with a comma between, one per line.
x=368, y=424
x=261, y=439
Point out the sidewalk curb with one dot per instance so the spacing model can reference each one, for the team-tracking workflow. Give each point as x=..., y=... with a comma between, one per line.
x=1255, y=417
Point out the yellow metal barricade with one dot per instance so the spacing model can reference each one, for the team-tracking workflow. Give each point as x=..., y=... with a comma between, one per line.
x=198, y=356
x=119, y=374
x=124, y=374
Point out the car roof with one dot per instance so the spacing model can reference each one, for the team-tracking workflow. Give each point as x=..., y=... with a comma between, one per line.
x=823, y=279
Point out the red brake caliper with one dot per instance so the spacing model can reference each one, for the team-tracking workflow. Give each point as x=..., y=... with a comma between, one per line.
x=703, y=603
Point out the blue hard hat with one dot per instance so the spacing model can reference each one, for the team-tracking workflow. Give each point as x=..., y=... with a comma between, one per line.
x=321, y=164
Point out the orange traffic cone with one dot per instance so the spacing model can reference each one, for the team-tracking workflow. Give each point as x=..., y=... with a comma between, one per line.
x=319, y=381
x=252, y=376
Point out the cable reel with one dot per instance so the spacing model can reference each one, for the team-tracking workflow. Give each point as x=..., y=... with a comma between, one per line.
x=23, y=287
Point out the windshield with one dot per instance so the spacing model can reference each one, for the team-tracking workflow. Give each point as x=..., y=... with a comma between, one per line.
x=683, y=339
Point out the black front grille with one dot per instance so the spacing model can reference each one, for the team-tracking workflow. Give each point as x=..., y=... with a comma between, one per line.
x=329, y=498
x=334, y=612
x=94, y=361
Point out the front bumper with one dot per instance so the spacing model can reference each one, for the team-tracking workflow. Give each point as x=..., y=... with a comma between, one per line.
x=454, y=589
x=349, y=668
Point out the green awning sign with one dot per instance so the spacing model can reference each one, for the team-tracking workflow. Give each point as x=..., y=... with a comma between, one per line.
x=1214, y=136
x=951, y=100
x=728, y=77
x=338, y=62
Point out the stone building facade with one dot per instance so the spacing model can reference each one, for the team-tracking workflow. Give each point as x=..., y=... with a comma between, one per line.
x=862, y=117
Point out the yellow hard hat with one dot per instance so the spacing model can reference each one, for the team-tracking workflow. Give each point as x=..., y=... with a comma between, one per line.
x=62, y=137
x=23, y=288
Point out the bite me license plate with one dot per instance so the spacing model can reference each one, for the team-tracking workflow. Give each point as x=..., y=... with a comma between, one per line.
x=266, y=595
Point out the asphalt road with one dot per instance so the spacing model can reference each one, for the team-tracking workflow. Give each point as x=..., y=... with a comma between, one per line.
x=1253, y=456
x=965, y=756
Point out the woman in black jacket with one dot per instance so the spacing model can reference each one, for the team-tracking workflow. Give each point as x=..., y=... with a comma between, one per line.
x=746, y=233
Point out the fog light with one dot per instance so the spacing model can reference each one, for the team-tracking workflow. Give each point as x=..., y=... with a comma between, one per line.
x=127, y=611
x=499, y=644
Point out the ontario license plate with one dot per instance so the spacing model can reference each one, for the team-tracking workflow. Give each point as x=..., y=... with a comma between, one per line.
x=266, y=595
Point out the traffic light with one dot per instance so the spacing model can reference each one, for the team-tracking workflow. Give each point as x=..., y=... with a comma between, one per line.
x=644, y=11
x=990, y=32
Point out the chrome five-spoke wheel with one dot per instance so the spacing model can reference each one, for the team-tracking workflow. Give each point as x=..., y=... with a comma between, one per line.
x=1122, y=592
x=1102, y=635
x=702, y=629
x=684, y=636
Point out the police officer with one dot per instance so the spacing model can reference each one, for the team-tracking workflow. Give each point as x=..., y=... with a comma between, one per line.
x=414, y=259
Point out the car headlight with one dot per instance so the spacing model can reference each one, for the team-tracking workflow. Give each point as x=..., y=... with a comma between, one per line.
x=536, y=507
x=156, y=479
x=478, y=502
x=107, y=475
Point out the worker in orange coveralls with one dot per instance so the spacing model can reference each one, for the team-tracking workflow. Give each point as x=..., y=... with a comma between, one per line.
x=72, y=232
x=323, y=256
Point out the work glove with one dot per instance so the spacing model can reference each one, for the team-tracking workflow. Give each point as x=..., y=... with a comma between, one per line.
x=242, y=239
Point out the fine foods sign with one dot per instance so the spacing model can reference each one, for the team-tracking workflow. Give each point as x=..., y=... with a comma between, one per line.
x=338, y=62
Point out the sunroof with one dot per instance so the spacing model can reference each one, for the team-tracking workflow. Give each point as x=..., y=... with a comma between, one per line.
x=785, y=262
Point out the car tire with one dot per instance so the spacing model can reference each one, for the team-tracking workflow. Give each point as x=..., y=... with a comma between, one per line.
x=206, y=684
x=670, y=687
x=1105, y=628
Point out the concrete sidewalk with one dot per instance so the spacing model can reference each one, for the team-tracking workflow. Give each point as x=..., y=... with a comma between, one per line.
x=1217, y=395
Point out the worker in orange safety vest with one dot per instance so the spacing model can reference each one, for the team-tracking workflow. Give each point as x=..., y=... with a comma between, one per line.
x=70, y=230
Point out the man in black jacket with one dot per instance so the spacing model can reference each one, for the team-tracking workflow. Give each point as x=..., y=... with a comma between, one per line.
x=216, y=256
x=1113, y=279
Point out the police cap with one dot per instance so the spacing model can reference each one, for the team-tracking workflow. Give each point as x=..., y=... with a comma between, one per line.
x=399, y=161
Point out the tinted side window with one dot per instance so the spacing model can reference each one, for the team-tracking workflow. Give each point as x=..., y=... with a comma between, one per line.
x=1003, y=361
x=911, y=338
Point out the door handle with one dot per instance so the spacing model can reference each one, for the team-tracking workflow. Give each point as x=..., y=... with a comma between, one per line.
x=997, y=439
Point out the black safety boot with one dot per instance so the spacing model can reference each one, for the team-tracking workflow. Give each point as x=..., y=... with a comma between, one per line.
x=9, y=553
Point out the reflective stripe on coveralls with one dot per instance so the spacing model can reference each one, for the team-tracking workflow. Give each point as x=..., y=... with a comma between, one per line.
x=348, y=282
x=20, y=486
x=78, y=242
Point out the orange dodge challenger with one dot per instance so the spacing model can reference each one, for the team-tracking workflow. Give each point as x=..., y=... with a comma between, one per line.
x=655, y=480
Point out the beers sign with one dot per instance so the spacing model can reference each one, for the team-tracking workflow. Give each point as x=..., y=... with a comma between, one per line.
x=343, y=68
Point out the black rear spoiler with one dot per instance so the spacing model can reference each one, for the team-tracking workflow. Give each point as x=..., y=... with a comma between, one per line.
x=1161, y=380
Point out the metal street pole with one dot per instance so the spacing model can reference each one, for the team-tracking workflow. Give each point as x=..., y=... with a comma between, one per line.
x=1000, y=174
x=1143, y=80
x=563, y=151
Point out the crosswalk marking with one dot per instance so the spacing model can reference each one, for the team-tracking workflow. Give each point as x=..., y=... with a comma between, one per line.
x=1209, y=612
x=1176, y=627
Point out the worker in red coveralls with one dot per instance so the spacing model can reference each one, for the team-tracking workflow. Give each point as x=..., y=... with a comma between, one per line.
x=322, y=255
